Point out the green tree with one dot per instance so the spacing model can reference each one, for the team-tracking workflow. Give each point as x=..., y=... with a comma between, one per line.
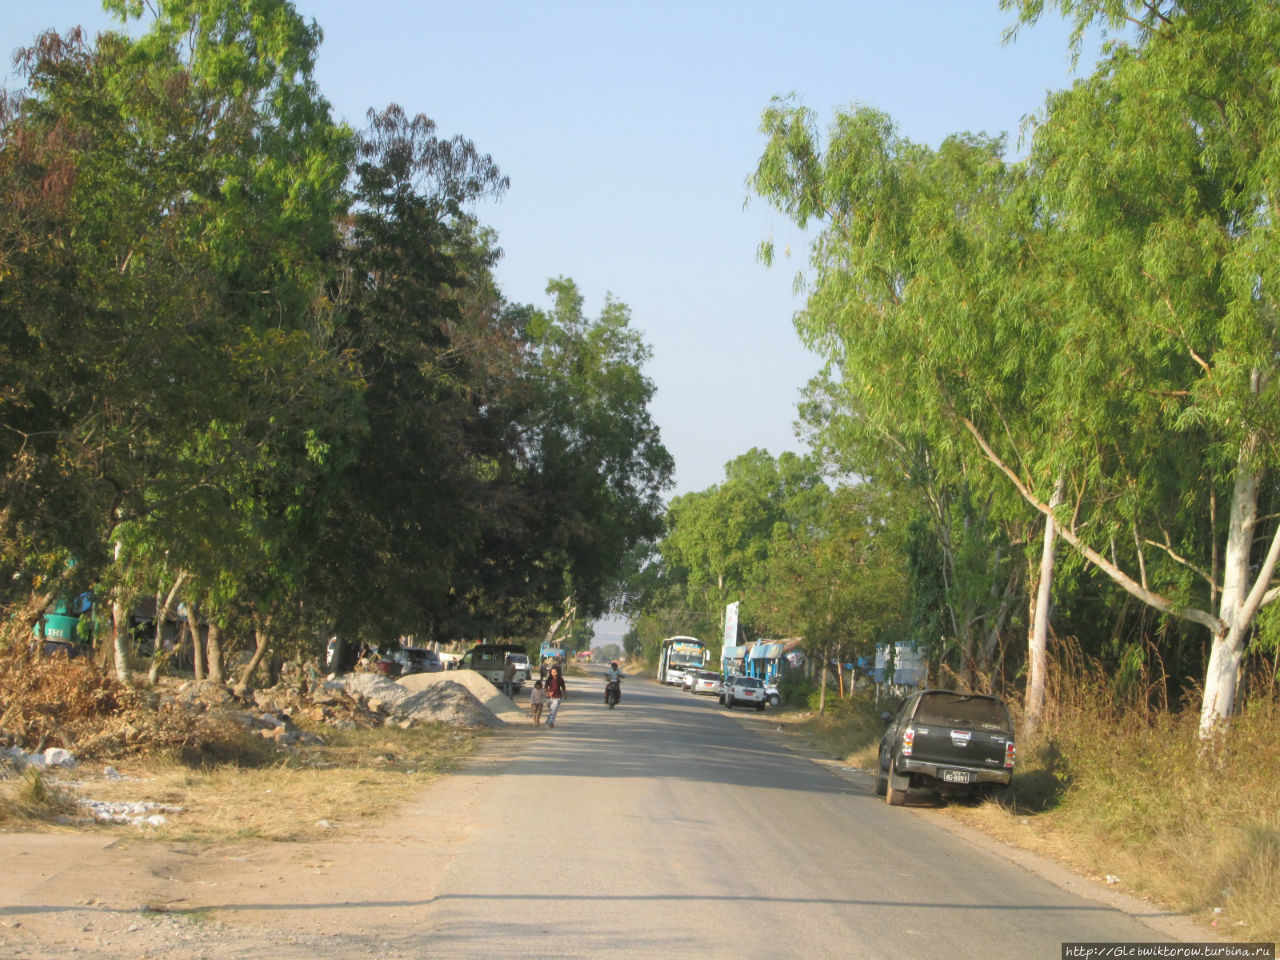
x=924, y=305
x=187, y=378
x=590, y=464
x=839, y=582
x=402, y=530
x=718, y=539
x=1112, y=291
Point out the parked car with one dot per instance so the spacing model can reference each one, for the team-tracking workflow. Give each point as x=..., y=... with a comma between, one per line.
x=746, y=690
x=521, y=660
x=416, y=660
x=771, y=694
x=490, y=661
x=947, y=740
x=707, y=681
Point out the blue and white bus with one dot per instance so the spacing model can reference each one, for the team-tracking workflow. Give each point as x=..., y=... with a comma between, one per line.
x=679, y=655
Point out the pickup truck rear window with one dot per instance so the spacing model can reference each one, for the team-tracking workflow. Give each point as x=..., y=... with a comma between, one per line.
x=948, y=708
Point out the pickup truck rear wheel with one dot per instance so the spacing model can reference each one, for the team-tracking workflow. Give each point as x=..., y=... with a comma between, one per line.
x=896, y=789
x=882, y=780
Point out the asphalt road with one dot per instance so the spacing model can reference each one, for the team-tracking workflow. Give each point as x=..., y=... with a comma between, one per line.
x=671, y=827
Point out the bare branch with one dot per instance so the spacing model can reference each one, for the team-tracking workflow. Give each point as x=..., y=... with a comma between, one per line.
x=1122, y=579
x=1142, y=559
x=1168, y=548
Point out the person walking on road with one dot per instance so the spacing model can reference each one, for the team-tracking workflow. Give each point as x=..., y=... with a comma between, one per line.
x=508, y=676
x=537, y=700
x=556, y=693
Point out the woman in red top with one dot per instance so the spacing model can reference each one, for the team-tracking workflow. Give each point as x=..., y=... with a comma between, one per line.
x=555, y=693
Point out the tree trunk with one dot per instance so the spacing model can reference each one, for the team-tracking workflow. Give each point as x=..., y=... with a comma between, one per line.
x=197, y=642
x=120, y=637
x=160, y=655
x=824, y=669
x=260, y=638
x=564, y=622
x=1038, y=614
x=158, y=652
x=120, y=626
x=992, y=647
x=213, y=649
x=1239, y=604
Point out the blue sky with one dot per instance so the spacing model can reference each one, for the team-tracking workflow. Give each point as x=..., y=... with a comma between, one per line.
x=628, y=130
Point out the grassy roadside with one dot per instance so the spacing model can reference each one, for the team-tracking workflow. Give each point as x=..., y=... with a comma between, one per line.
x=205, y=755
x=257, y=793
x=1128, y=795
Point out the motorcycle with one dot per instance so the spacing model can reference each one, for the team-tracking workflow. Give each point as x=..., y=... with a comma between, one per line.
x=612, y=693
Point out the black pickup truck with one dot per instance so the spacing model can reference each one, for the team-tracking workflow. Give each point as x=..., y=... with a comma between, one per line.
x=950, y=741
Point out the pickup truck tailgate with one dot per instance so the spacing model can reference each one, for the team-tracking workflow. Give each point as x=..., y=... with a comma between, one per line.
x=957, y=729
x=959, y=744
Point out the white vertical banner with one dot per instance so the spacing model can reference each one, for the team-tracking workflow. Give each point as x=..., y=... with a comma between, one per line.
x=731, y=625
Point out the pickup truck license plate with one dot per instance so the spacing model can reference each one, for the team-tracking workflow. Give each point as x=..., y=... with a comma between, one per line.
x=955, y=776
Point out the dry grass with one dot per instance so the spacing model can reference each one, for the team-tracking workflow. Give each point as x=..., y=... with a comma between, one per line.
x=55, y=702
x=32, y=797
x=1136, y=797
x=357, y=775
x=849, y=730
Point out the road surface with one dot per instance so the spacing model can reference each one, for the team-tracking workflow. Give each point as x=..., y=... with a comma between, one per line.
x=666, y=828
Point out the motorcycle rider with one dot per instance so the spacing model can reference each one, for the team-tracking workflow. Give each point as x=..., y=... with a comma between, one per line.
x=612, y=676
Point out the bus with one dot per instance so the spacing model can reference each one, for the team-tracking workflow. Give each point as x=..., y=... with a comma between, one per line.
x=679, y=655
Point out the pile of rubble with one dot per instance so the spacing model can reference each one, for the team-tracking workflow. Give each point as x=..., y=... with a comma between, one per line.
x=82, y=709
x=272, y=714
x=53, y=757
x=443, y=701
x=353, y=700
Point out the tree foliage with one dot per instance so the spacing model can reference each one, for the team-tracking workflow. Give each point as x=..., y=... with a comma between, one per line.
x=1096, y=319
x=250, y=352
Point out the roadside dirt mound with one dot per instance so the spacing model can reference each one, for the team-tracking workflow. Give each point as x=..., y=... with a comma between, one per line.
x=449, y=703
x=432, y=703
x=502, y=706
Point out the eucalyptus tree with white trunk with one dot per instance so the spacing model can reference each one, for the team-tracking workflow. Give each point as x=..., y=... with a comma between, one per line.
x=1161, y=167
x=1101, y=315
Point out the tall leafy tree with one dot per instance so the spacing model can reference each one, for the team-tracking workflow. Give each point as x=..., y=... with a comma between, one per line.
x=1097, y=321
x=929, y=316
x=591, y=464
x=200, y=190
x=839, y=581
x=420, y=317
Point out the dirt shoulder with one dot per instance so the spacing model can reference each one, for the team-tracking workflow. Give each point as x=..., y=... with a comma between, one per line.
x=107, y=893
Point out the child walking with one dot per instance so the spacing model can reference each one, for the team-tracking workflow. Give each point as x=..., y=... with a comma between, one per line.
x=555, y=694
x=537, y=699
